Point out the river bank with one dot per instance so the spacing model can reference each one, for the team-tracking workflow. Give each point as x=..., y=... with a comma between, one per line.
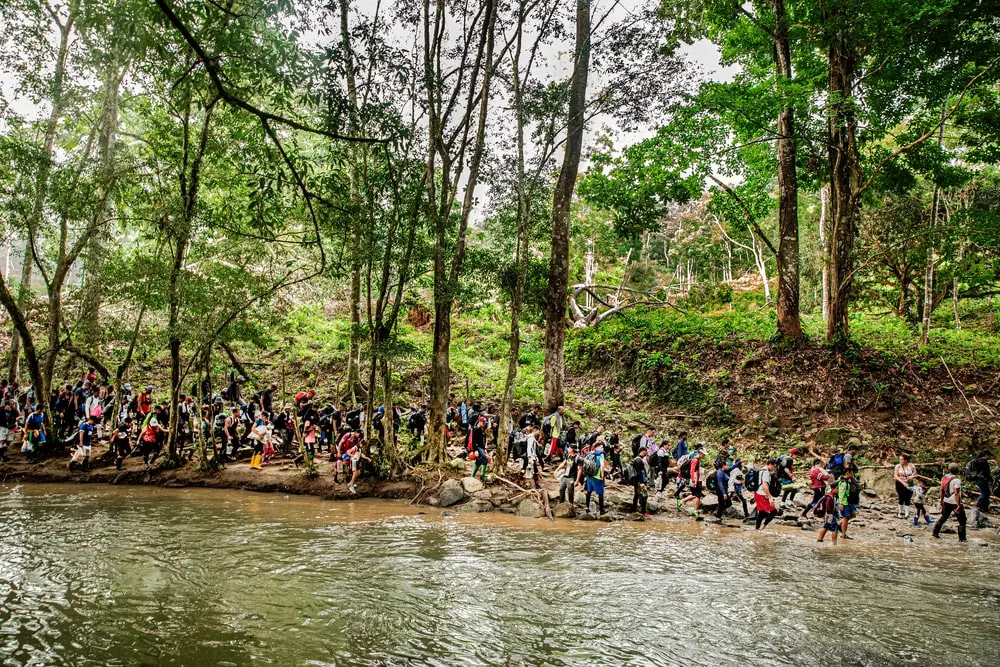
x=455, y=492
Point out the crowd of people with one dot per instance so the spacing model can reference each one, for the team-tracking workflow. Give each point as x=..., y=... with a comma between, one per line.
x=228, y=425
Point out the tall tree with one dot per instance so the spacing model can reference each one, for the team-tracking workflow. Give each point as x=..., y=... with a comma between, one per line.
x=555, y=315
x=457, y=104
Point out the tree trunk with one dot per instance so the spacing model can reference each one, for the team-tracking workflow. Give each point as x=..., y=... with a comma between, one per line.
x=517, y=298
x=42, y=184
x=789, y=325
x=173, y=336
x=446, y=274
x=903, y=304
x=825, y=251
x=555, y=311
x=354, y=386
x=389, y=444
x=844, y=174
x=89, y=326
x=929, y=300
x=955, y=293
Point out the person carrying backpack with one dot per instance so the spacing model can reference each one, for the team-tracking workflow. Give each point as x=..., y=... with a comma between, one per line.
x=661, y=468
x=842, y=462
x=638, y=477
x=531, y=462
x=721, y=475
x=979, y=471
x=766, y=495
x=848, y=499
x=818, y=478
x=787, y=477
x=696, y=482
x=554, y=425
x=120, y=444
x=593, y=468
x=826, y=507
x=737, y=479
x=569, y=472
x=951, y=502
x=683, y=479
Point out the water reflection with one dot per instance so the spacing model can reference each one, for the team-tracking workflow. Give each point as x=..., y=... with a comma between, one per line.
x=107, y=575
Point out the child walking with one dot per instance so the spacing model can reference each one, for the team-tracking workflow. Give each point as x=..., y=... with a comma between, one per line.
x=918, y=493
x=827, y=508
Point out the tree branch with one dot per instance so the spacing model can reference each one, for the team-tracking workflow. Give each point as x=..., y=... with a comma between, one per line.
x=211, y=66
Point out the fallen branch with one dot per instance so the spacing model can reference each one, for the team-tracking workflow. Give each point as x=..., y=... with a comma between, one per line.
x=972, y=415
x=541, y=495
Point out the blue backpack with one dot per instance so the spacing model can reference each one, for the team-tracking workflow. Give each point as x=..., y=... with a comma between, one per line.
x=836, y=465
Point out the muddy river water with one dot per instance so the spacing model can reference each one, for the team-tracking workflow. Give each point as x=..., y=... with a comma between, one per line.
x=138, y=576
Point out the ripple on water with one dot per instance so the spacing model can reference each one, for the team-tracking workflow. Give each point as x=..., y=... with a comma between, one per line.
x=108, y=576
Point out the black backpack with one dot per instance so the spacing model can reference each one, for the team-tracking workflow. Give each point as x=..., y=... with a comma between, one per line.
x=219, y=424
x=635, y=444
x=973, y=472
x=712, y=481
x=590, y=466
x=854, y=492
x=752, y=481
x=774, y=486
x=631, y=474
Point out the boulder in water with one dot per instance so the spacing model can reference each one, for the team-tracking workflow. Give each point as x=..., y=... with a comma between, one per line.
x=529, y=508
x=451, y=492
x=472, y=484
x=475, y=507
x=564, y=511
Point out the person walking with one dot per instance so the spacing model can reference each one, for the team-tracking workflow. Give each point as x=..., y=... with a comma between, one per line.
x=918, y=493
x=722, y=491
x=593, y=468
x=736, y=481
x=696, y=482
x=569, y=472
x=639, y=478
x=981, y=472
x=903, y=474
x=848, y=499
x=818, y=479
x=766, y=495
x=827, y=508
x=951, y=502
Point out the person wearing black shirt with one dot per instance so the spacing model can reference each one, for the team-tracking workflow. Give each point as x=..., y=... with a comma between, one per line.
x=8, y=422
x=267, y=399
x=417, y=422
x=530, y=418
x=120, y=442
x=640, y=495
x=572, y=469
x=982, y=475
x=614, y=452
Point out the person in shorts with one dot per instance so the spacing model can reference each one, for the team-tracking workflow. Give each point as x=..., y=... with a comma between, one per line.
x=696, y=483
x=8, y=422
x=83, y=448
x=848, y=498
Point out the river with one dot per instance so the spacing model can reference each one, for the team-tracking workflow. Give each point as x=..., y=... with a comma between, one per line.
x=138, y=576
